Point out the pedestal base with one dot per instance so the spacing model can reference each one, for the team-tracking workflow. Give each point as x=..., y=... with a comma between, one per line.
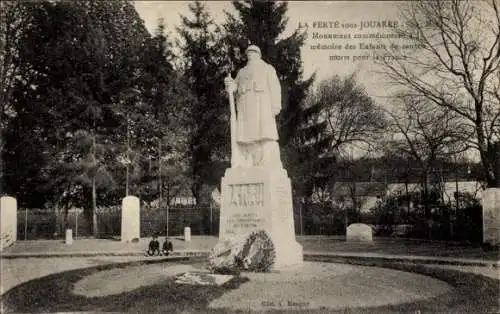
x=260, y=198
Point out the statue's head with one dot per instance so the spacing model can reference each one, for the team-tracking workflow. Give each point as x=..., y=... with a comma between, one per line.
x=253, y=53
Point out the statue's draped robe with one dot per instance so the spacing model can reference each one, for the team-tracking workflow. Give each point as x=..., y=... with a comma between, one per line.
x=258, y=101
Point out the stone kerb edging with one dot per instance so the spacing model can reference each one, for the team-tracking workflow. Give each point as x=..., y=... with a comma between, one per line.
x=178, y=254
x=405, y=258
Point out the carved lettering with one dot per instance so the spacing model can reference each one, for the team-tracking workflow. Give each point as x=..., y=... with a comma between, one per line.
x=244, y=221
x=247, y=195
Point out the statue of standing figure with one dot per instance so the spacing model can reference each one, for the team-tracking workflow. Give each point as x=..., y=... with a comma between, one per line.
x=254, y=133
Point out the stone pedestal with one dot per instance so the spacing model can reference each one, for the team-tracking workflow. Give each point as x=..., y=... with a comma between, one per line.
x=260, y=198
x=8, y=221
x=69, y=236
x=491, y=216
x=131, y=221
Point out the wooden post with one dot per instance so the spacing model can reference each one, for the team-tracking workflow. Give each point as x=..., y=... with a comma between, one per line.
x=160, y=184
x=26, y=223
x=128, y=159
x=300, y=214
x=167, y=219
x=76, y=223
x=210, y=218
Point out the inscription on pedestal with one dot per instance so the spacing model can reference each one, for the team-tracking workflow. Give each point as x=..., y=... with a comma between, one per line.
x=244, y=221
x=247, y=195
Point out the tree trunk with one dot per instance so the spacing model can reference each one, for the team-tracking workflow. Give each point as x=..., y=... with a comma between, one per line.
x=494, y=162
x=487, y=152
x=59, y=219
x=425, y=201
x=65, y=219
x=128, y=160
x=160, y=183
x=95, y=229
x=408, y=201
x=196, y=190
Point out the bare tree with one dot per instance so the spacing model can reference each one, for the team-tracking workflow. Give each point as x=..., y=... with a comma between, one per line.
x=456, y=67
x=426, y=134
x=340, y=118
x=349, y=116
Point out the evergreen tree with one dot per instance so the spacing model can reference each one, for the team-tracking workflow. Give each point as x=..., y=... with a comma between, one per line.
x=163, y=136
x=204, y=75
x=13, y=21
x=79, y=65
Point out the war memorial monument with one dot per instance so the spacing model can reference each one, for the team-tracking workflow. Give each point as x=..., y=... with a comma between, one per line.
x=256, y=190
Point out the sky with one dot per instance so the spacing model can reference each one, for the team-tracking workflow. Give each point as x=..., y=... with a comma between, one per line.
x=310, y=12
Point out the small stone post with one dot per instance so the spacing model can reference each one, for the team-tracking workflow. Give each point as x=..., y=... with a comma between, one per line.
x=187, y=234
x=69, y=236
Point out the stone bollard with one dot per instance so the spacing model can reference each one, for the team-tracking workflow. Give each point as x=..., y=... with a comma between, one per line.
x=131, y=222
x=491, y=216
x=69, y=236
x=8, y=221
x=187, y=234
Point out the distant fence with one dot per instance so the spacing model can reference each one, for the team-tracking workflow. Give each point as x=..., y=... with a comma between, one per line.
x=49, y=224
x=446, y=223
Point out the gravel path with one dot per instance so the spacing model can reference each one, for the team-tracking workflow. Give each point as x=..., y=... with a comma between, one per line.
x=330, y=285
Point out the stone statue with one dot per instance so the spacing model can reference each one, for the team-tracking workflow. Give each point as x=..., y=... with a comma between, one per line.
x=256, y=192
x=258, y=100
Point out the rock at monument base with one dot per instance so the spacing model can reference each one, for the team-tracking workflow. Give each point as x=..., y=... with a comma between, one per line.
x=8, y=221
x=202, y=279
x=359, y=233
x=222, y=257
x=491, y=216
x=251, y=252
x=130, y=219
x=260, y=198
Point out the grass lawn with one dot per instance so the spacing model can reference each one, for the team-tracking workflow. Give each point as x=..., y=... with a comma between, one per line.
x=472, y=293
x=398, y=246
